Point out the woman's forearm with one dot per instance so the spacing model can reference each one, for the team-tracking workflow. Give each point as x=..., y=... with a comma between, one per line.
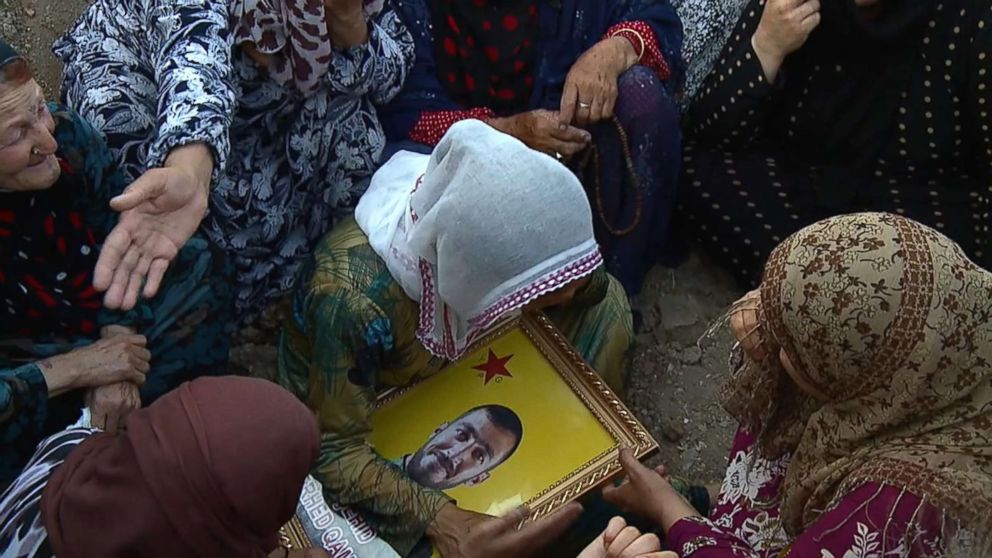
x=60, y=374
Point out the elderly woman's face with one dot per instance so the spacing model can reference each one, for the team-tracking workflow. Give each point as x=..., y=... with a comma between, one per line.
x=27, y=146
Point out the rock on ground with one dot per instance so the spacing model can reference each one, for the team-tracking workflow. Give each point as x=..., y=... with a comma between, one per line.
x=673, y=386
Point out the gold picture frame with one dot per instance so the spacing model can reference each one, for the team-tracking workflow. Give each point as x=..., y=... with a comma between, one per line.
x=619, y=427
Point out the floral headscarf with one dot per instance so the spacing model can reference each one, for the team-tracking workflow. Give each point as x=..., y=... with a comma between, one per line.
x=893, y=324
x=293, y=33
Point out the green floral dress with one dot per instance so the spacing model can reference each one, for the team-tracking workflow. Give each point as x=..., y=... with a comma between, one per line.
x=352, y=335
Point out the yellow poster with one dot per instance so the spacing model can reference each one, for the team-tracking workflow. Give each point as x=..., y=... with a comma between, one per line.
x=493, y=430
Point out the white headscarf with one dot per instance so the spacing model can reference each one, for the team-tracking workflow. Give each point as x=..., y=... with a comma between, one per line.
x=476, y=231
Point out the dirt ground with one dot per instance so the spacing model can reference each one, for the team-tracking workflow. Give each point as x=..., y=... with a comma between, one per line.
x=675, y=379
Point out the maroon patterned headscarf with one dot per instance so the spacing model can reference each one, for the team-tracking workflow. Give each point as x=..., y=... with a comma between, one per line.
x=214, y=468
x=484, y=51
x=293, y=34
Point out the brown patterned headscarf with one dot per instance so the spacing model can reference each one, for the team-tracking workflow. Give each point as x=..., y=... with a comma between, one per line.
x=893, y=324
x=292, y=34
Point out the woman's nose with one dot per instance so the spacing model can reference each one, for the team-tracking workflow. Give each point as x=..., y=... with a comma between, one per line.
x=45, y=142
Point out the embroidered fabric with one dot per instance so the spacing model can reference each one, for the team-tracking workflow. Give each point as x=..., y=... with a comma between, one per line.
x=484, y=241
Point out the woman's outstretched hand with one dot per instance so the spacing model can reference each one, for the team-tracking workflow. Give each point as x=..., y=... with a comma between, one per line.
x=159, y=212
x=646, y=493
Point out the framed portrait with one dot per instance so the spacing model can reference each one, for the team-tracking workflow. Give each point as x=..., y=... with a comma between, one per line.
x=521, y=420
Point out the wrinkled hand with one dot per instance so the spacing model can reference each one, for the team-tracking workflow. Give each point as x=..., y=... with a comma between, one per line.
x=542, y=131
x=123, y=358
x=159, y=212
x=646, y=493
x=111, y=404
x=622, y=541
x=457, y=533
x=784, y=28
x=591, y=85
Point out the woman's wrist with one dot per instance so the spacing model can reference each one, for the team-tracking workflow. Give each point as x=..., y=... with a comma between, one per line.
x=499, y=123
x=671, y=510
x=196, y=159
x=347, y=30
x=60, y=374
x=626, y=55
x=770, y=59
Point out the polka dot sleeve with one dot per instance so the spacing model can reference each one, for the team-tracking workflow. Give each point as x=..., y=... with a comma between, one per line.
x=731, y=107
x=433, y=124
x=642, y=37
x=981, y=88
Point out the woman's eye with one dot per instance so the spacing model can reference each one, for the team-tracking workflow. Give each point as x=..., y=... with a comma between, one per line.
x=461, y=436
x=11, y=136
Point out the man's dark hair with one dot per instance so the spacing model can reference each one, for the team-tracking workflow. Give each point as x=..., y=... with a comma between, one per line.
x=505, y=419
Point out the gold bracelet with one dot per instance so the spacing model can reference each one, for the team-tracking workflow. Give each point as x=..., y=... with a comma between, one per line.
x=637, y=34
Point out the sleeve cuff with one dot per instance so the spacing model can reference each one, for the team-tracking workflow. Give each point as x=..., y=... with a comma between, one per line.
x=435, y=500
x=432, y=125
x=645, y=43
x=216, y=138
x=691, y=534
x=24, y=402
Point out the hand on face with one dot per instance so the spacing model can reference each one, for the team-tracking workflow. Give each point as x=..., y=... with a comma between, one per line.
x=745, y=325
x=27, y=144
x=542, y=131
x=590, y=92
x=159, y=212
x=784, y=28
x=458, y=533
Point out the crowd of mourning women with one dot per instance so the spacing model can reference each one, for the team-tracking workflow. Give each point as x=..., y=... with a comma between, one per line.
x=409, y=173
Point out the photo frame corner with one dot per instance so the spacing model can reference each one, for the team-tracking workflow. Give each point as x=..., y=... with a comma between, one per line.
x=602, y=402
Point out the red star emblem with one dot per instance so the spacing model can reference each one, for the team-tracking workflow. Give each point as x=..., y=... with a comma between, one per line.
x=494, y=367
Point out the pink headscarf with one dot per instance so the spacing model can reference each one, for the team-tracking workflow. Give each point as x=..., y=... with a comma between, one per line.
x=293, y=33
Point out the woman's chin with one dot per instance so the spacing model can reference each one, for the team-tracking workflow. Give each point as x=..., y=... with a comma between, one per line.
x=40, y=176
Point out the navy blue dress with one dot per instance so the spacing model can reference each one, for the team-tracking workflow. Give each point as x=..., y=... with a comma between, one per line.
x=645, y=110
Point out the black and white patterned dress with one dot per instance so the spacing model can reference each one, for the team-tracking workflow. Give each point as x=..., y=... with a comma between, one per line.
x=157, y=74
x=22, y=534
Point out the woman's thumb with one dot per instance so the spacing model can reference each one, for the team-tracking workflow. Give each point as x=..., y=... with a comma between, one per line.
x=148, y=186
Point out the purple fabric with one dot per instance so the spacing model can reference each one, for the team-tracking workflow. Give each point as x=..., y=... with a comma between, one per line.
x=871, y=520
x=650, y=119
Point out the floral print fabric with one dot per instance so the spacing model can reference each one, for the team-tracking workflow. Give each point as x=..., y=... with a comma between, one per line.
x=890, y=321
x=873, y=520
x=286, y=165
